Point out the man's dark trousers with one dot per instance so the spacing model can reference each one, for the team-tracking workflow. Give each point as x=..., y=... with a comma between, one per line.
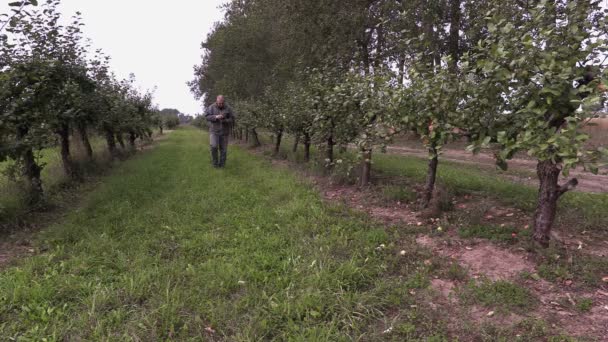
x=219, y=143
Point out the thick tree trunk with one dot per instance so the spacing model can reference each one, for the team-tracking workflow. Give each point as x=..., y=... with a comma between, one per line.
x=68, y=165
x=277, y=145
x=295, y=144
x=307, y=147
x=255, y=138
x=549, y=192
x=366, y=168
x=111, y=141
x=120, y=140
x=431, y=177
x=246, y=135
x=161, y=130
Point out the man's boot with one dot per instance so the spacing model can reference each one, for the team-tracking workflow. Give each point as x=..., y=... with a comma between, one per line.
x=223, y=154
x=214, y=157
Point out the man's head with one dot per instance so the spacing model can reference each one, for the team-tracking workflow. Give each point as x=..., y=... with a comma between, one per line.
x=220, y=101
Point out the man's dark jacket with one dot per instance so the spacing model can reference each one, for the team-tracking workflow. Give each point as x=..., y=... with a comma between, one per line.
x=220, y=127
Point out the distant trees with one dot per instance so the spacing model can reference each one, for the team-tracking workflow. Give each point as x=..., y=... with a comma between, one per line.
x=514, y=76
x=51, y=89
x=171, y=118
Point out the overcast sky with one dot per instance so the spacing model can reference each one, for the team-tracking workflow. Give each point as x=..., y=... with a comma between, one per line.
x=158, y=41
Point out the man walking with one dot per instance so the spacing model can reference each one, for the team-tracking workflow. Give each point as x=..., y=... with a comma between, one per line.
x=220, y=118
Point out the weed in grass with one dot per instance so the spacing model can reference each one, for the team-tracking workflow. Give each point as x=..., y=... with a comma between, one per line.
x=456, y=272
x=420, y=325
x=399, y=193
x=527, y=330
x=554, y=272
x=345, y=169
x=472, y=215
x=501, y=294
x=584, y=304
x=494, y=233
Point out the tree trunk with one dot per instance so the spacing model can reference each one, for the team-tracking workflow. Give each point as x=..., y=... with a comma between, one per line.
x=120, y=140
x=306, y=147
x=431, y=177
x=255, y=138
x=295, y=144
x=246, y=135
x=161, y=129
x=277, y=145
x=401, y=70
x=366, y=168
x=84, y=137
x=31, y=171
x=454, y=38
x=66, y=158
x=549, y=192
x=329, y=151
x=111, y=141
x=132, y=138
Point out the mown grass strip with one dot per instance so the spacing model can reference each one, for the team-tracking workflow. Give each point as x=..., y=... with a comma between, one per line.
x=168, y=246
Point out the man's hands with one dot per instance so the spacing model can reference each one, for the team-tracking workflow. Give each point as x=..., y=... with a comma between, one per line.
x=219, y=117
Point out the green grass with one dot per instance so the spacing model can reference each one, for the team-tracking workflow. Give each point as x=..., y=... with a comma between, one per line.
x=558, y=265
x=584, y=304
x=398, y=193
x=493, y=233
x=527, y=330
x=499, y=294
x=168, y=246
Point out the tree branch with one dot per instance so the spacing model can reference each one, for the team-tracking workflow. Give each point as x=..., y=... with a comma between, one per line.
x=23, y=3
x=571, y=184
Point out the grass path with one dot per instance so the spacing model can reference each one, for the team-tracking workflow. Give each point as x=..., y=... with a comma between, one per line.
x=169, y=248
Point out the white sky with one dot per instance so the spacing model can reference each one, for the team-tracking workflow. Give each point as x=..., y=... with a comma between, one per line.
x=158, y=41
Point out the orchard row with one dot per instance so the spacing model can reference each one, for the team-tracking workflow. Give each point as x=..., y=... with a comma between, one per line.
x=507, y=76
x=53, y=88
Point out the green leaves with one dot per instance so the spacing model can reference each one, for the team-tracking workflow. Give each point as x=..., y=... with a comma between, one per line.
x=48, y=84
x=525, y=83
